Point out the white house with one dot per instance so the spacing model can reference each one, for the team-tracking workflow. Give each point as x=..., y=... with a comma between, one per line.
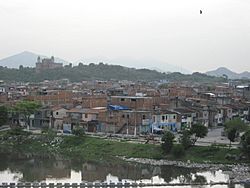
x=166, y=120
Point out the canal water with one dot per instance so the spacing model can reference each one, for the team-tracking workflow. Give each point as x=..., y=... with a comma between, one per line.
x=17, y=168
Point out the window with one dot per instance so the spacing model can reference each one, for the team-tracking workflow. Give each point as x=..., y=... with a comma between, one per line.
x=57, y=113
x=122, y=99
x=110, y=114
x=174, y=117
x=163, y=118
x=123, y=116
x=134, y=100
x=143, y=116
x=86, y=115
x=166, y=117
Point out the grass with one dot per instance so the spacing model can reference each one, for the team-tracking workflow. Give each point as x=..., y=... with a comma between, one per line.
x=210, y=154
x=98, y=149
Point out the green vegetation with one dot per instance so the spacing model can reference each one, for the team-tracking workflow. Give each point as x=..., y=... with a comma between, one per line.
x=15, y=136
x=185, y=139
x=178, y=151
x=188, y=137
x=84, y=147
x=78, y=131
x=211, y=154
x=3, y=115
x=198, y=131
x=91, y=148
x=231, y=135
x=99, y=149
x=237, y=124
x=25, y=109
x=101, y=72
x=168, y=140
x=17, y=131
x=245, y=142
x=233, y=128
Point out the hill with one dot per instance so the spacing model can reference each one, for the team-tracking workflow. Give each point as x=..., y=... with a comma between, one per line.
x=149, y=63
x=222, y=71
x=27, y=59
x=99, y=72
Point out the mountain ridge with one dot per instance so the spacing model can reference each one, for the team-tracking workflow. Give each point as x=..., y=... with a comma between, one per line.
x=28, y=59
x=223, y=71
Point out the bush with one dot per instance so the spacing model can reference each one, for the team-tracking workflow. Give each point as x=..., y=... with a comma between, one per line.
x=70, y=141
x=245, y=143
x=48, y=134
x=168, y=139
x=78, y=131
x=18, y=131
x=178, y=151
x=16, y=135
x=3, y=115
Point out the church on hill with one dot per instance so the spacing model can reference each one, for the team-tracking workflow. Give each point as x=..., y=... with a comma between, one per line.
x=47, y=63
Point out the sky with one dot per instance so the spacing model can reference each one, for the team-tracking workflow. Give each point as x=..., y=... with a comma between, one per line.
x=162, y=31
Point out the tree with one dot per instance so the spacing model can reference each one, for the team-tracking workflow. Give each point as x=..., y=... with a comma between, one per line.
x=25, y=109
x=233, y=128
x=185, y=139
x=168, y=139
x=235, y=123
x=198, y=131
x=80, y=64
x=245, y=143
x=231, y=135
x=3, y=115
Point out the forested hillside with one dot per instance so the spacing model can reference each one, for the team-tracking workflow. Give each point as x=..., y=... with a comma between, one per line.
x=98, y=71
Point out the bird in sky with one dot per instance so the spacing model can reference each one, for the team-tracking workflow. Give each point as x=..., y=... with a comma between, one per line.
x=200, y=11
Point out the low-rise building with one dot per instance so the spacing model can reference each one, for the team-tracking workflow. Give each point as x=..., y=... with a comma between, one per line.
x=165, y=120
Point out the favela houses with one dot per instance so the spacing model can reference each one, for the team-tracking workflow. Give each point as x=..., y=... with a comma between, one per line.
x=124, y=94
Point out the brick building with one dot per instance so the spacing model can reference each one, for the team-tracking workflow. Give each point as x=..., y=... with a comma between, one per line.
x=53, y=98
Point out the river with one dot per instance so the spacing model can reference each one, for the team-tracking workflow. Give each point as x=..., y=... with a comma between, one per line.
x=17, y=168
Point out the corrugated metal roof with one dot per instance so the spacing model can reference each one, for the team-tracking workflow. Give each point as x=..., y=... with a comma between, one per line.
x=118, y=107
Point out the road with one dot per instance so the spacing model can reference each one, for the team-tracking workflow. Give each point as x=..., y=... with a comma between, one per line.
x=214, y=137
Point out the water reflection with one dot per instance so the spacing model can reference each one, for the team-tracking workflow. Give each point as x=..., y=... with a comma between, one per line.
x=14, y=168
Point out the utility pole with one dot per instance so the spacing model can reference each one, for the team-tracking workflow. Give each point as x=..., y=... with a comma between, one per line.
x=135, y=117
x=127, y=122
